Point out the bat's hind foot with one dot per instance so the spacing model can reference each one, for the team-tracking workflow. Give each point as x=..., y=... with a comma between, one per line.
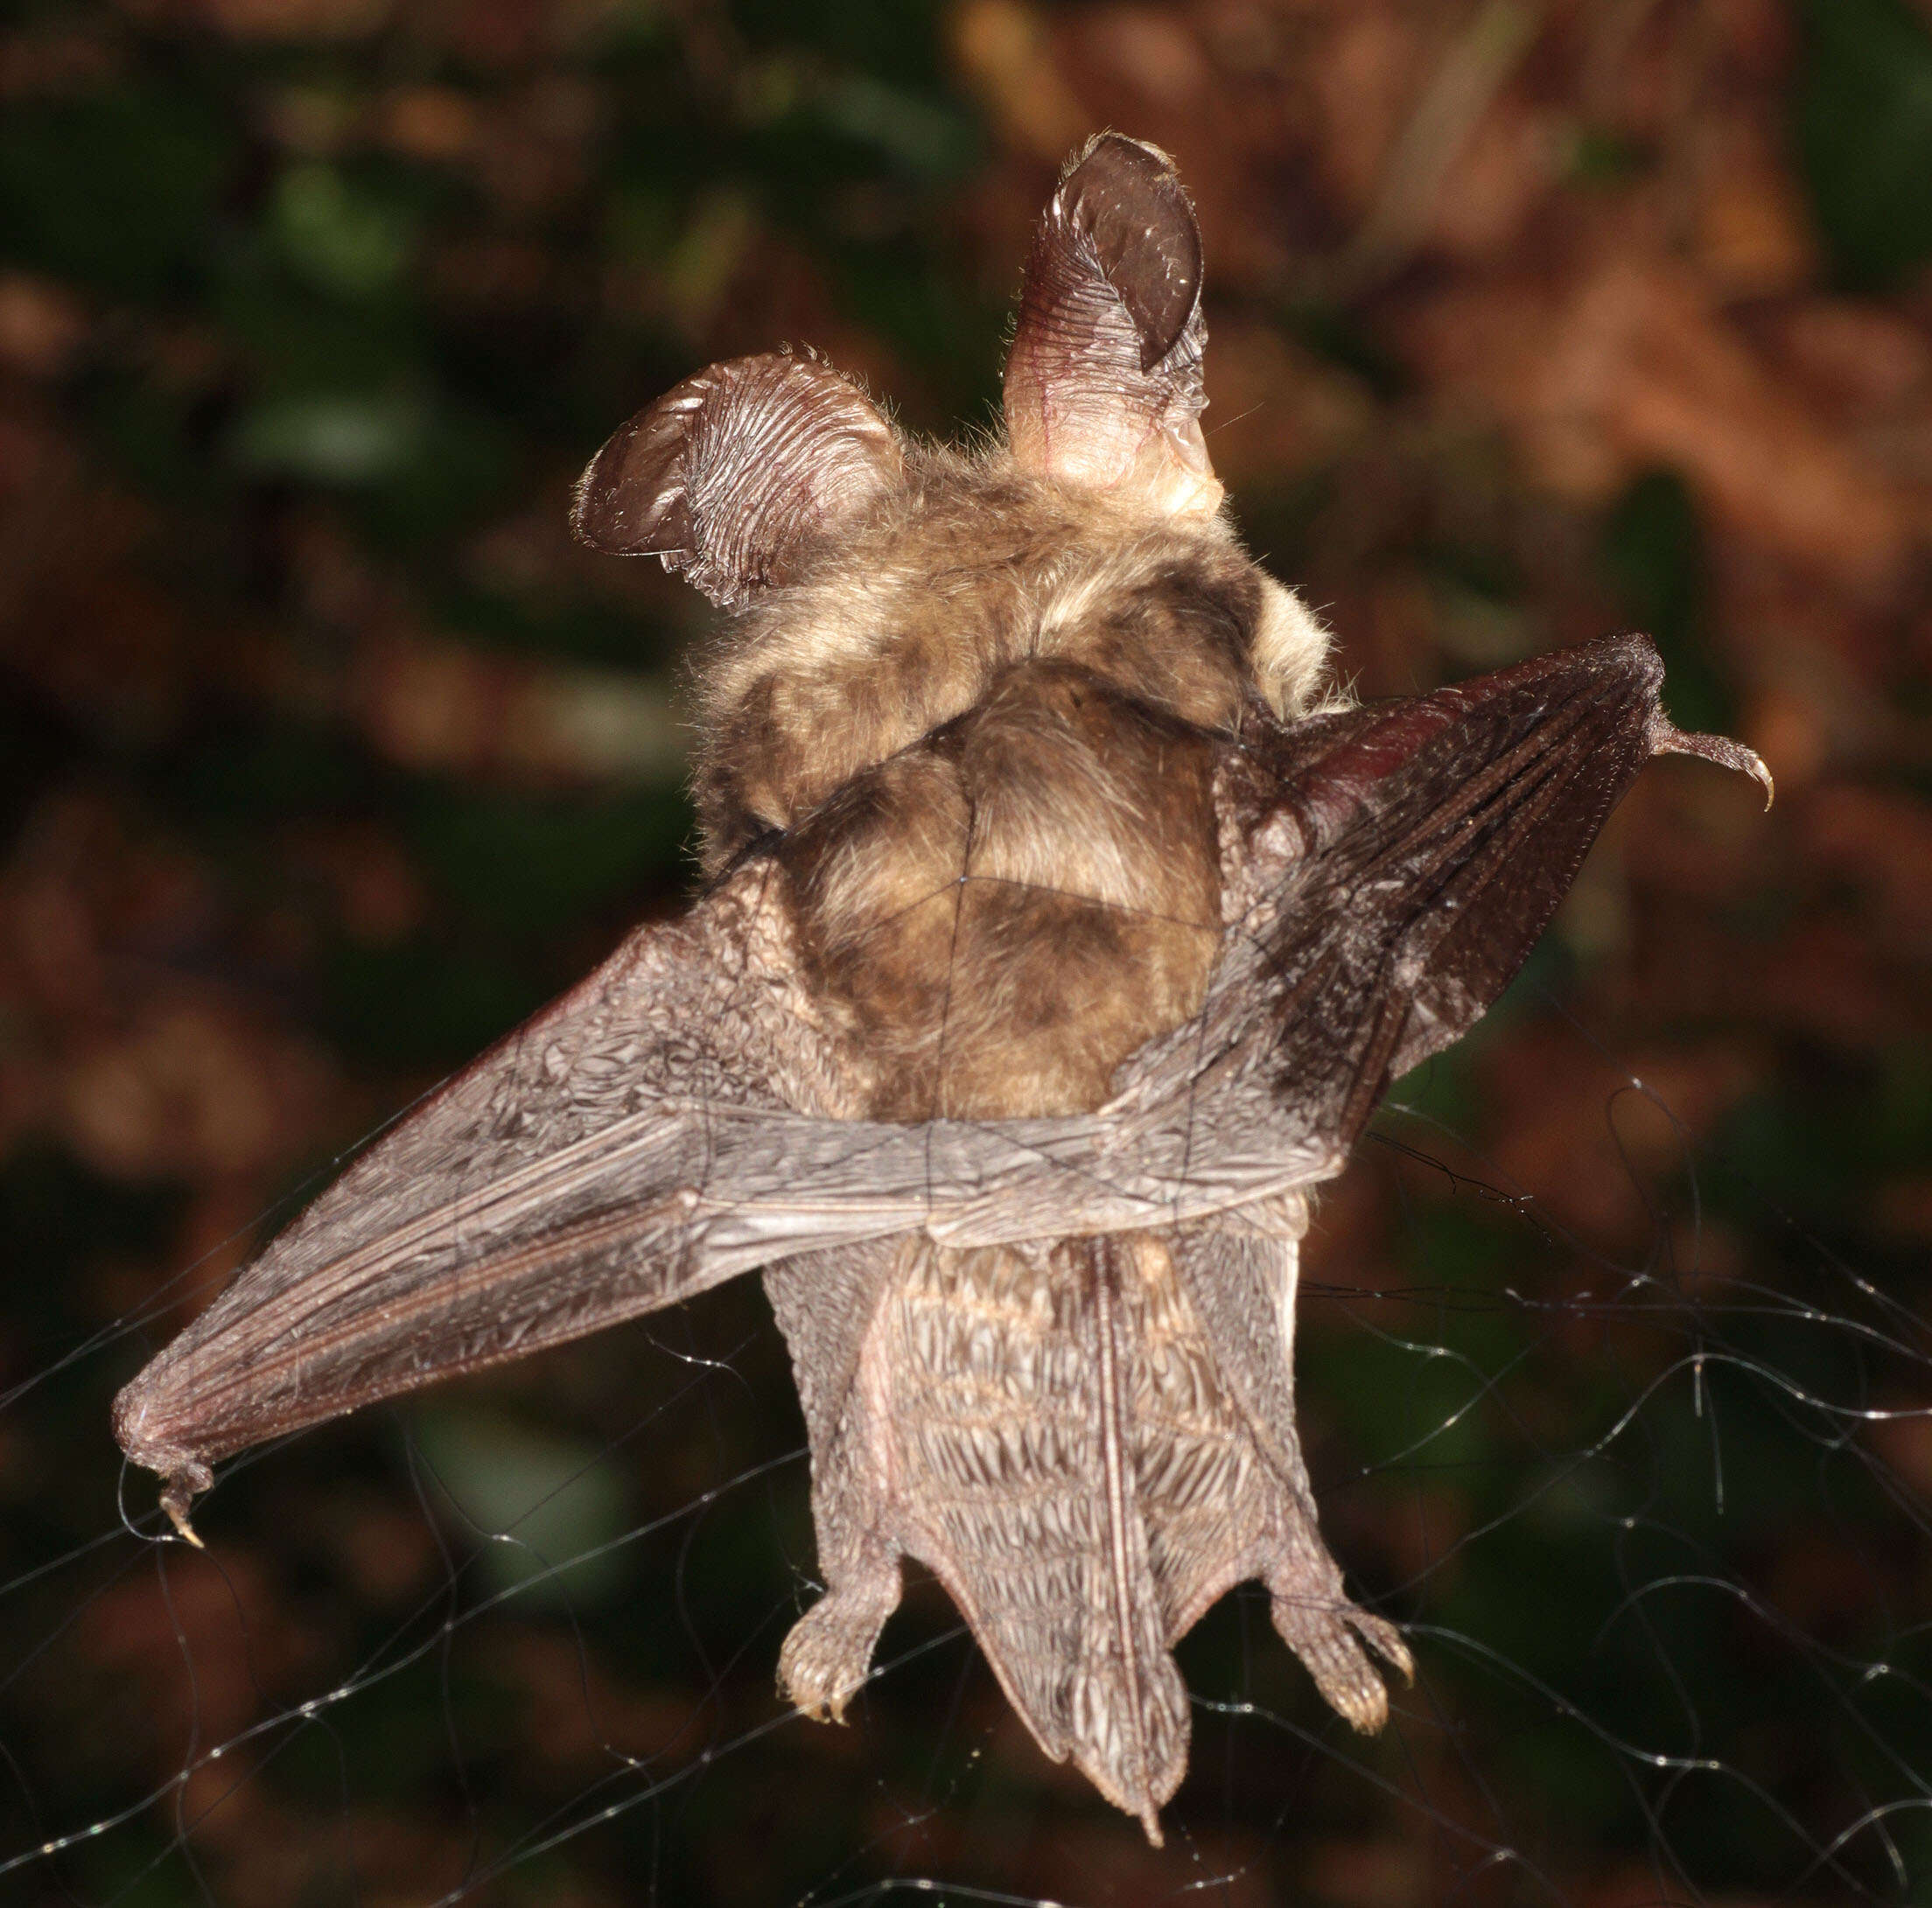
x=1324, y=1632
x=828, y=1652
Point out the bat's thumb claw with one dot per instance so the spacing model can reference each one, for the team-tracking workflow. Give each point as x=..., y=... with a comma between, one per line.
x=175, y=1499
x=185, y=1472
x=1666, y=739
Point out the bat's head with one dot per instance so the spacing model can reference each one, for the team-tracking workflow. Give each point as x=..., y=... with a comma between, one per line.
x=748, y=475
x=882, y=583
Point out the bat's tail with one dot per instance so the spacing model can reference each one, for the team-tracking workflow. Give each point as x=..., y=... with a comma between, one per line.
x=1129, y=1703
x=1011, y=1417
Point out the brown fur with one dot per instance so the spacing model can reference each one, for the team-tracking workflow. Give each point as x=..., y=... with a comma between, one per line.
x=970, y=739
x=968, y=568
x=980, y=726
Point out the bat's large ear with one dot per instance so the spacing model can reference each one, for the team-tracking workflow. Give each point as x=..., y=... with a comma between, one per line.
x=1103, y=383
x=731, y=476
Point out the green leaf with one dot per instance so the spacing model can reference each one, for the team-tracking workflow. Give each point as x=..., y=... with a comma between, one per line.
x=347, y=440
x=1862, y=119
x=339, y=239
x=118, y=192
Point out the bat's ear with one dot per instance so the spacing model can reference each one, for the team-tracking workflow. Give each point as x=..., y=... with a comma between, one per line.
x=731, y=475
x=1103, y=383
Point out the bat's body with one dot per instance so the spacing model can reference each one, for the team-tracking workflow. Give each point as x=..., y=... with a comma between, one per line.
x=984, y=752
x=987, y=763
x=1059, y=938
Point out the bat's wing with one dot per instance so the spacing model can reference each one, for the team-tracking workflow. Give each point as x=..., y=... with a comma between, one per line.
x=1387, y=870
x=587, y=1168
x=677, y=1118
x=670, y=1123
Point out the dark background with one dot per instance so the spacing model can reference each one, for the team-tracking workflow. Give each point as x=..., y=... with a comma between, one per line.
x=323, y=757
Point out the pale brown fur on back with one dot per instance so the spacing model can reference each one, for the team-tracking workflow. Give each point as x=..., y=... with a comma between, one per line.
x=984, y=734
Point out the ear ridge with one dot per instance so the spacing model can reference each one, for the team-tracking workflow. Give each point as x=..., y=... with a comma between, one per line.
x=1124, y=198
x=1103, y=385
x=732, y=474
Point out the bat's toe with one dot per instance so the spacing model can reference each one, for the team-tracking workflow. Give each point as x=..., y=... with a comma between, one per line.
x=828, y=1653
x=1384, y=1640
x=1324, y=1637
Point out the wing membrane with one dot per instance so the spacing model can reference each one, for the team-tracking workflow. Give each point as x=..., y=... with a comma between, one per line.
x=678, y=1118
x=1389, y=870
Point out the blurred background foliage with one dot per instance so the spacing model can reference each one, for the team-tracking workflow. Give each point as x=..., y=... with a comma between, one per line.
x=324, y=756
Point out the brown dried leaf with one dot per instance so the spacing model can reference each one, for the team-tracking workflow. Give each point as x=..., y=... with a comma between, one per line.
x=1632, y=364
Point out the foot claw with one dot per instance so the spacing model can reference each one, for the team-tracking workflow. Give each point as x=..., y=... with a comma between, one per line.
x=1324, y=1637
x=828, y=1655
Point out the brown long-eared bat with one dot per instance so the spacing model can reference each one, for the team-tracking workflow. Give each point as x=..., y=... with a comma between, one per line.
x=1064, y=926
